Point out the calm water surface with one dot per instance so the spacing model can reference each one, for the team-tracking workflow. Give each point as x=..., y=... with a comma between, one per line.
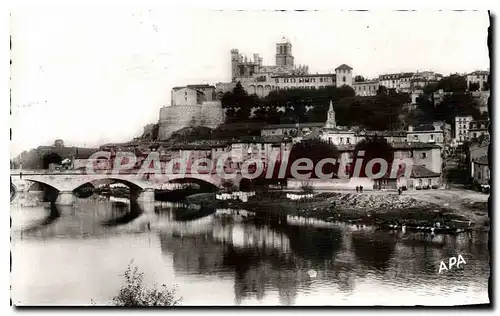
x=72, y=255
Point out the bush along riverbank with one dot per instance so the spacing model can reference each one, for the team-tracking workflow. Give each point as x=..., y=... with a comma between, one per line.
x=391, y=211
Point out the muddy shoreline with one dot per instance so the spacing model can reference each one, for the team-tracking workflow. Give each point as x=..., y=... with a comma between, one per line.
x=373, y=209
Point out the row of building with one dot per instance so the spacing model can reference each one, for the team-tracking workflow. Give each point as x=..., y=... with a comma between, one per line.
x=422, y=144
x=198, y=105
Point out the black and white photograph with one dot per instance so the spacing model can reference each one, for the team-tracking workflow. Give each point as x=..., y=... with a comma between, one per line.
x=194, y=157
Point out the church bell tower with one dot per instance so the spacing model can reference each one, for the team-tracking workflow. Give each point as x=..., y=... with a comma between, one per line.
x=330, y=121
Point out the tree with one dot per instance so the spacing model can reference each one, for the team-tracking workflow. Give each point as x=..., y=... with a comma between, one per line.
x=315, y=150
x=473, y=86
x=454, y=104
x=359, y=78
x=373, y=147
x=382, y=90
x=453, y=83
x=51, y=158
x=431, y=88
x=59, y=143
x=154, y=132
x=486, y=85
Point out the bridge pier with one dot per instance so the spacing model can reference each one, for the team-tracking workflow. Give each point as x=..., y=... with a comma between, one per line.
x=147, y=195
x=146, y=199
x=65, y=198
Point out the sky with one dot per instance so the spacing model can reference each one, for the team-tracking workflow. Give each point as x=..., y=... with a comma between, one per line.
x=91, y=77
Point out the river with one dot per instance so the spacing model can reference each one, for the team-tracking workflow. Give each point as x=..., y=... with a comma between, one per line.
x=77, y=255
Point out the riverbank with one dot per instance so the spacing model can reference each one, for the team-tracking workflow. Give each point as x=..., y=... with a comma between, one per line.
x=372, y=208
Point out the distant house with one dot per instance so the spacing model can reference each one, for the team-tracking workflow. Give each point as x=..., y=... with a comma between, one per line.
x=427, y=133
x=479, y=77
x=481, y=170
x=479, y=128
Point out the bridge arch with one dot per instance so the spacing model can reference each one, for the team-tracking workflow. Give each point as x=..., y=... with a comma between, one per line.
x=204, y=184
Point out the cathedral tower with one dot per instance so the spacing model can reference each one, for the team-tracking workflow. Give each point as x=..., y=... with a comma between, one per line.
x=284, y=57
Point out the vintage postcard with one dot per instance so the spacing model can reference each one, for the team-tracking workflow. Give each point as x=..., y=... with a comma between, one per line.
x=249, y=158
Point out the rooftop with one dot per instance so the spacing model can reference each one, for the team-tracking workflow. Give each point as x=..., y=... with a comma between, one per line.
x=194, y=86
x=293, y=125
x=414, y=145
x=302, y=75
x=480, y=72
x=344, y=66
x=419, y=171
x=483, y=160
x=374, y=81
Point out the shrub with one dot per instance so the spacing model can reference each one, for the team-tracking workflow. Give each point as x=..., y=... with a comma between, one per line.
x=427, y=187
x=435, y=186
x=404, y=188
x=133, y=293
x=418, y=187
x=307, y=188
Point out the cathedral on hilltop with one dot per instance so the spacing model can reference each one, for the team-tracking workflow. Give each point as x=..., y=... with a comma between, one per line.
x=259, y=79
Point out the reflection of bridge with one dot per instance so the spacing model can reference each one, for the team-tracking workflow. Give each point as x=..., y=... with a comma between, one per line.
x=141, y=186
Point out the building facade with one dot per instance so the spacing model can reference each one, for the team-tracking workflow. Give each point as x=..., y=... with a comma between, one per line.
x=462, y=124
x=259, y=79
x=479, y=77
x=366, y=88
x=191, y=107
x=426, y=133
x=479, y=128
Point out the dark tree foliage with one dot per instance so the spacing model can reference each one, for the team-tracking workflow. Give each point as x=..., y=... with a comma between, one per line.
x=191, y=134
x=453, y=83
x=154, y=132
x=51, y=158
x=379, y=112
x=474, y=86
x=373, y=147
x=238, y=103
x=431, y=88
x=359, y=78
x=486, y=85
x=456, y=104
x=283, y=106
x=315, y=150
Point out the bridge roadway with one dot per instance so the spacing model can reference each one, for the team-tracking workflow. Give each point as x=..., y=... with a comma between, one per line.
x=142, y=186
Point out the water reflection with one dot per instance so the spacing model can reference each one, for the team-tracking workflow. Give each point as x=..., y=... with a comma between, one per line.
x=123, y=213
x=373, y=249
x=266, y=263
x=53, y=215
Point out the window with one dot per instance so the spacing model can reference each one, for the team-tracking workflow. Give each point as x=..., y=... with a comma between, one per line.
x=329, y=140
x=277, y=80
x=432, y=136
x=320, y=79
x=341, y=140
x=424, y=155
x=415, y=137
x=343, y=78
x=348, y=140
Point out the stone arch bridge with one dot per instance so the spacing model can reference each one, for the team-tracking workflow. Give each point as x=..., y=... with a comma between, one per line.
x=141, y=186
